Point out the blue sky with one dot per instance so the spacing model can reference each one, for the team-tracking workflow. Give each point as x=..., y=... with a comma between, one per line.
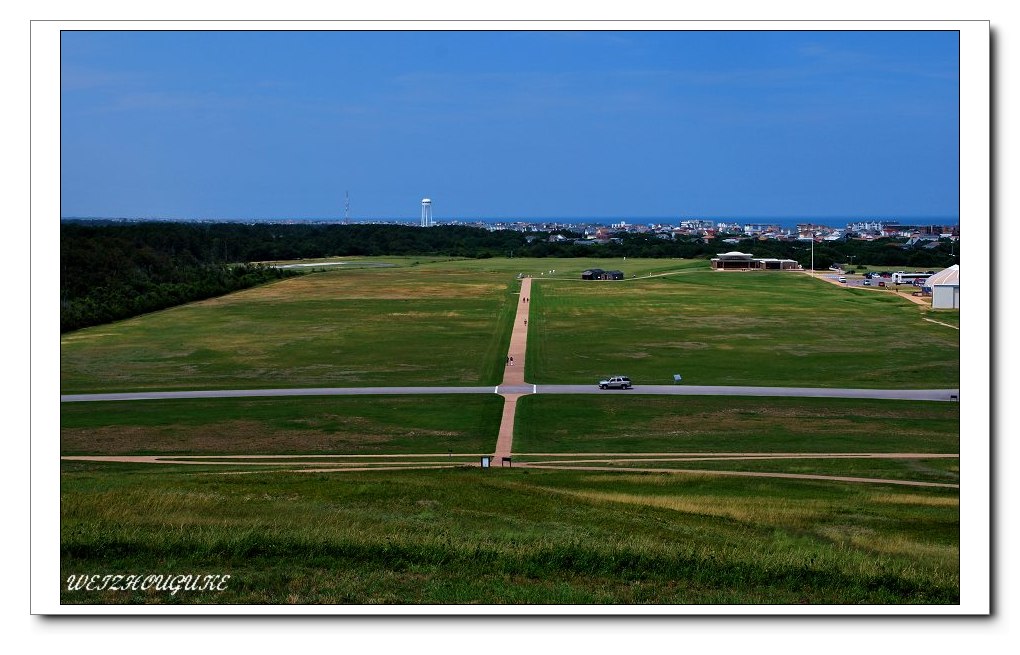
x=509, y=124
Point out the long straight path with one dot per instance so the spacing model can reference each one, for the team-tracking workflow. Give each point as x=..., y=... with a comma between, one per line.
x=513, y=375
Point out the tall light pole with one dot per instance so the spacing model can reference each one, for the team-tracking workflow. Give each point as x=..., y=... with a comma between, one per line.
x=812, y=252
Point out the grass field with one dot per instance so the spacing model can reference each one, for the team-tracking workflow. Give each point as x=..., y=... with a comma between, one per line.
x=353, y=425
x=619, y=423
x=771, y=329
x=387, y=327
x=930, y=471
x=448, y=323
x=462, y=535
x=507, y=536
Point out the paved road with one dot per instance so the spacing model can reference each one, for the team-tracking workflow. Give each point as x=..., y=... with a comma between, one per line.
x=797, y=392
x=255, y=393
x=522, y=389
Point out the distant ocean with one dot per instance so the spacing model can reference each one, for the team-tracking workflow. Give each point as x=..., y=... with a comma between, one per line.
x=784, y=222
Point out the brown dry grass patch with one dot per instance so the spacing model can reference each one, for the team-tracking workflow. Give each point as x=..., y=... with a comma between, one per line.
x=916, y=499
x=234, y=437
x=868, y=539
x=355, y=285
x=750, y=510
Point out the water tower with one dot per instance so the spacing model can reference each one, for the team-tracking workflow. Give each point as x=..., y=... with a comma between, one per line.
x=426, y=212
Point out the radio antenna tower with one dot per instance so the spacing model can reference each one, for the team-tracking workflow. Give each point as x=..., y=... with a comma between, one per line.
x=347, y=207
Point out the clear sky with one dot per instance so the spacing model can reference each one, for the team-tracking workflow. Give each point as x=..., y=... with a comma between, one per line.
x=602, y=124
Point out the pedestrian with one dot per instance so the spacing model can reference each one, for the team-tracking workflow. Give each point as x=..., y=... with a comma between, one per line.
x=508, y=361
x=511, y=361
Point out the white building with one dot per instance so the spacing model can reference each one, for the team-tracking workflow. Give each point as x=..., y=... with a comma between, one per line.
x=945, y=288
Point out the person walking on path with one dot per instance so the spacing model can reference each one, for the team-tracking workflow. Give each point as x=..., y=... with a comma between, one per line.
x=514, y=374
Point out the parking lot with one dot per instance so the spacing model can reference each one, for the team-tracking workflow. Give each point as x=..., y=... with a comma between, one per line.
x=908, y=291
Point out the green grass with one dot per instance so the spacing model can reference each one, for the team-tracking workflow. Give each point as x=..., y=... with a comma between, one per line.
x=335, y=425
x=386, y=327
x=514, y=535
x=447, y=322
x=772, y=329
x=508, y=536
x=620, y=423
x=948, y=316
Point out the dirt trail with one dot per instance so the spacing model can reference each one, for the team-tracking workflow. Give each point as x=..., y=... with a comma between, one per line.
x=514, y=375
x=387, y=463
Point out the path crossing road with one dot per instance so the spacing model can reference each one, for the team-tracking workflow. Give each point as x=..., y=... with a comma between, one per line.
x=513, y=386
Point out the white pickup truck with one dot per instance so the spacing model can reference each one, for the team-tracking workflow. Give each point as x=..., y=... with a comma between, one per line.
x=615, y=382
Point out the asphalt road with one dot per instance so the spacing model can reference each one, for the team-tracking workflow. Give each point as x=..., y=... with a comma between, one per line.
x=662, y=390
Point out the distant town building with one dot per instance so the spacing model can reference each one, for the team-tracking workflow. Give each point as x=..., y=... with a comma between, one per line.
x=697, y=224
x=920, y=240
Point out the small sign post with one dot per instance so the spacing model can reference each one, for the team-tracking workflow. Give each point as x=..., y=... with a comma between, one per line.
x=485, y=462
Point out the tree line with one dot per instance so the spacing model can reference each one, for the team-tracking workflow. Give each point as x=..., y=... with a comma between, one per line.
x=110, y=270
x=112, y=274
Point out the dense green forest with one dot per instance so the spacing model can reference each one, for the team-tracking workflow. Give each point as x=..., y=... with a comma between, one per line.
x=108, y=275
x=110, y=270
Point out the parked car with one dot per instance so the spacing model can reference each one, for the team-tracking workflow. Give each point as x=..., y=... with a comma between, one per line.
x=615, y=382
x=867, y=282
x=842, y=279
